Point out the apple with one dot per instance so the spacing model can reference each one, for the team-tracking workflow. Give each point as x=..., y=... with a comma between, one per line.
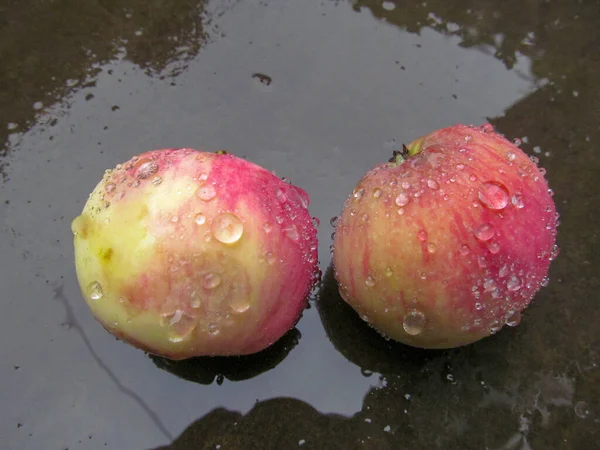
x=448, y=241
x=186, y=253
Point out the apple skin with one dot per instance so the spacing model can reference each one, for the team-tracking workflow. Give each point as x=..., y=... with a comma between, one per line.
x=447, y=245
x=185, y=253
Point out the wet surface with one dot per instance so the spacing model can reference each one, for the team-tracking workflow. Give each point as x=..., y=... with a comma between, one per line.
x=319, y=92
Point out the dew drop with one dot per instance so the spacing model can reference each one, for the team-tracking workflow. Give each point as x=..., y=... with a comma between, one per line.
x=195, y=301
x=213, y=329
x=582, y=410
x=227, y=228
x=414, y=323
x=206, y=193
x=333, y=221
x=431, y=248
x=110, y=187
x=472, y=177
x=316, y=222
x=358, y=193
x=156, y=181
x=95, y=290
x=376, y=192
x=513, y=319
x=401, y=211
x=370, y=281
x=433, y=184
x=493, y=195
x=493, y=247
x=510, y=156
x=545, y=282
x=478, y=306
x=464, y=249
x=180, y=325
x=239, y=304
x=281, y=196
x=146, y=169
x=270, y=257
x=77, y=225
x=554, y=252
x=402, y=199
x=174, y=219
x=200, y=219
x=514, y=283
x=211, y=280
x=291, y=232
x=405, y=185
x=460, y=166
x=422, y=235
x=517, y=200
x=484, y=232
x=388, y=272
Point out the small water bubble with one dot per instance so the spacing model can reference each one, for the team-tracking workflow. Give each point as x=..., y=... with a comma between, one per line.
x=582, y=410
x=95, y=290
x=402, y=199
x=388, y=272
x=460, y=166
x=211, y=280
x=478, y=306
x=333, y=221
x=281, y=196
x=554, y=252
x=401, y=211
x=145, y=168
x=513, y=283
x=388, y=6
x=291, y=232
x=517, y=142
x=472, y=177
x=414, y=322
x=423, y=276
x=484, y=232
x=200, y=219
x=213, y=329
x=376, y=192
x=370, y=281
x=387, y=429
x=422, y=235
x=464, y=249
x=180, y=325
x=227, y=228
x=513, y=319
x=434, y=185
x=358, y=193
x=510, y=156
x=493, y=247
x=156, y=181
x=365, y=217
x=239, y=304
x=545, y=282
x=316, y=222
x=493, y=195
x=405, y=185
x=110, y=187
x=174, y=219
x=206, y=192
x=503, y=271
x=431, y=248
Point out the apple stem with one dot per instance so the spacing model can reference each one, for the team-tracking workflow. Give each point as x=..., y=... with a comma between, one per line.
x=399, y=156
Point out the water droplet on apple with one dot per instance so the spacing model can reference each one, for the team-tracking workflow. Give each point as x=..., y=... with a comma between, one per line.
x=402, y=199
x=460, y=166
x=291, y=232
x=333, y=221
x=517, y=200
x=174, y=219
x=493, y=195
x=267, y=227
x=145, y=169
x=239, y=304
x=405, y=185
x=513, y=319
x=156, y=181
x=422, y=235
x=388, y=272
x=200, y=219
x=510, y=156
x=370, y=281
x=431, y=248
x=213, y=329
x=472, y=177
x=206, y=192
x=180, y=325
x=358, y=193
x=316, y=222
x=464, y=249
x=493, y=247
x=582, y=410
x=95, y=290
x=281, y=196
x=401, y=211
x=545, y=282
x=227, y=228
x=270, y=258
x=484, y=232
x=514, y=283
x=434, y=185
x=211, y=280
x=365, y=217
x=376, y=192
x=110, y=187
x=414, y=322
x=554, y=252
x=478, y=306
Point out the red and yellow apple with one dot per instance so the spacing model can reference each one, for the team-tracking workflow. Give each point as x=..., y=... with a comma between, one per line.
x=185, y=253
x=448, y=241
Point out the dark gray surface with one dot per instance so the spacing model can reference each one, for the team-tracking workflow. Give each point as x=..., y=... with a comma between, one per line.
x=350, y=82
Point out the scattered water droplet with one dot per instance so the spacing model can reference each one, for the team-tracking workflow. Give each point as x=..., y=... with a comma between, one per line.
x=174, y=219
x=554, y=252
x=431, y=248
x=267, y=227
x=402, y=199
x=180, y=325
x=316, y=222
x=472, y=177
x=95, y=290
x=227, y=228
x=401, y=211
x=211, y=280
x=464, y=249
x=376, y=192
x=513, y=319
x=514, y=283
x=422, y=235
x=582, y=410
x=478, y=306
x=146, y=169
x=333, y=221
x=110, y=187
x=213, y=329
x=291, y=232
x=358, y=193
x=200, y=219
x=493, y=195
x=206, y=192
x=405, y=185
x=270, y=257
x=370, y=281
x=510, y=156
x=493, y=247
x=460, y=166
x=545, y=282
x=239, y=304
x=414, y=322
x=156, y=181
x=388, y=272
x=433, y=184
x=281, y=196
x=484, y=232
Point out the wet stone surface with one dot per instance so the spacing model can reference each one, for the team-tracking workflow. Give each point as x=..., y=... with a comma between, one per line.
x=320, y=92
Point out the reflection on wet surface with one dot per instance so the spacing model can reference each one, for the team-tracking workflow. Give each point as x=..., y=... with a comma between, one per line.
x=318, y=92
